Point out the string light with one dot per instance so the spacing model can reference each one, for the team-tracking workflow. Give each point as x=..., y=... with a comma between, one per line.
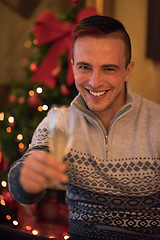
x=15, y=222
x=8, y=217
x=34, y=232
x=1, y=116
x=11, y=119
x=21, y=145
x=28, y=228
x=27, y=44
x=21, y=100
x=3, y=202
x=40, y=108
x=39, y=90
x=4, y=184
x=33, y=67
x=45, y=107
x=8, y=129
x=31, y=93
x=19, y=137
x=35, y=42
x=66, y=237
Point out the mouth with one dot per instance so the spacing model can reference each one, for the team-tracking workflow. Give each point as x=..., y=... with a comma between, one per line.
x=97, y=93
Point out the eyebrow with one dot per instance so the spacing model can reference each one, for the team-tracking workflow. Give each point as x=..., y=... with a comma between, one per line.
x=84, y=64
x=103, y=66
x=110, y=66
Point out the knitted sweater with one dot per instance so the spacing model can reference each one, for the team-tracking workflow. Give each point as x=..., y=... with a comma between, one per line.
x=114, y=179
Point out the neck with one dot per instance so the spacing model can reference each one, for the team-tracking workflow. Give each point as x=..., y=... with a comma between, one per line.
x=106, y=119
x=107, y=116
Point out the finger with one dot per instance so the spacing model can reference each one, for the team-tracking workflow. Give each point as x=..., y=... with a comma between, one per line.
x=28, y=174
x=46, y=171
x=49, y=160
x=32, y=187
x=37, y=169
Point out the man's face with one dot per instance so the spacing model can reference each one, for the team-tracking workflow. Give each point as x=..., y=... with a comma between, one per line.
x=100, y=72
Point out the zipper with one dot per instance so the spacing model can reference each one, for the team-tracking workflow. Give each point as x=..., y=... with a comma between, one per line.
x=115, y=118
x=92, y=116
x=123, y=110
x=106, y=139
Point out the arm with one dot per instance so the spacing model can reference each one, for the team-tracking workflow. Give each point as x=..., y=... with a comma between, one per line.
x=29, y=176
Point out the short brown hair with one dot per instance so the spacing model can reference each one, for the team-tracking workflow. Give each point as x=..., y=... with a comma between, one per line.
x=101, y=25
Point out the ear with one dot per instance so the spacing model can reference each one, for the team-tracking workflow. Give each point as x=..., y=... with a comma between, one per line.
x=129, y=71
x=73, y=66
x=72, y=62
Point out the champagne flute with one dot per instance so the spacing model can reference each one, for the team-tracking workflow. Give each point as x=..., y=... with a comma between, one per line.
x=60, y=141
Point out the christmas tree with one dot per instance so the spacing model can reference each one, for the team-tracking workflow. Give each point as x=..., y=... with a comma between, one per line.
x=49, y=80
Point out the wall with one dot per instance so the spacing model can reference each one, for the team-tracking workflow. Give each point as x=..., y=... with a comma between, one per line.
x=134, y=14
x=146, y=75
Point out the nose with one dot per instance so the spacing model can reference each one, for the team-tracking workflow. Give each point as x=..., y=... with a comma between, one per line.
x=95, y=79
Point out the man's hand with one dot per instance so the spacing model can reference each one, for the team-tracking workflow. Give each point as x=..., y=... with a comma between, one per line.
x=40, y=169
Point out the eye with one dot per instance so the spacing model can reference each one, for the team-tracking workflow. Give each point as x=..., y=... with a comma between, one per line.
x=109, y=70
x=83, y=67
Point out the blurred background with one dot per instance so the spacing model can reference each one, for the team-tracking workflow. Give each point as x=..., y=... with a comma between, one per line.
x=25, y=97
x=17, y=18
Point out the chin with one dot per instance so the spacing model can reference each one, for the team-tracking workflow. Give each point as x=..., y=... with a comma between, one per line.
x=95, y=108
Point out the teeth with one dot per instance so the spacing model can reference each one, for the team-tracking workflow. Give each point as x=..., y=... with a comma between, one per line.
x=97, y=93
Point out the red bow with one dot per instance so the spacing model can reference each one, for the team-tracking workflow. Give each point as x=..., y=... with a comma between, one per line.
x=49, y=29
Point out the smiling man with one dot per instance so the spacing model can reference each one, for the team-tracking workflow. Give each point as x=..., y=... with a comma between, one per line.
x=112, y=170
x=100, y=73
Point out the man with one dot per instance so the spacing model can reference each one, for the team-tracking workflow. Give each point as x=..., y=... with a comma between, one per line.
x=112, y=170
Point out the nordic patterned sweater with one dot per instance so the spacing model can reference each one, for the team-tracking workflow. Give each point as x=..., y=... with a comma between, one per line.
x=114, y=179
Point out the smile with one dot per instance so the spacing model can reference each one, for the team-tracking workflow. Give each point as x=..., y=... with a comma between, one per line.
x=97, y=94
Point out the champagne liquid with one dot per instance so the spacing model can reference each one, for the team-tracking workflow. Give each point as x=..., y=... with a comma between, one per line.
x=58, y=144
